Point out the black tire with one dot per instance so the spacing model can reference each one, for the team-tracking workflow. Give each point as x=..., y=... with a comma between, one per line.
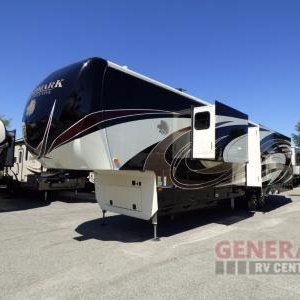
x=252, y=201
x=261, y=201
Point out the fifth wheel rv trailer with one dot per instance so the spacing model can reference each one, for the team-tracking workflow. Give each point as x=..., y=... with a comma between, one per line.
x=154, y=149
x=29, y=174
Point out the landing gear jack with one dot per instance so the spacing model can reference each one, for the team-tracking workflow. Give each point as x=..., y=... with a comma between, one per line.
x=256, y=200
x=103, y=217
x=232, y=203
x=154, y=222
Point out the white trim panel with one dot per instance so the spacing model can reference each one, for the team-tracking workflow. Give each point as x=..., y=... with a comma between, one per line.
x=254, y=164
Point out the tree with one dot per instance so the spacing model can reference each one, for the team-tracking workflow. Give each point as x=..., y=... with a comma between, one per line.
x=5, y=121
x=296, y=137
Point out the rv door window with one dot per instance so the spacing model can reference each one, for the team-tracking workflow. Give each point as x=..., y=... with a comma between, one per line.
x=202, y=120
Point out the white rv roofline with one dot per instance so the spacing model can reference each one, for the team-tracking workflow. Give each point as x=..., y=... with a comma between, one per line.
x=268, y=128
x=20, y=140
x=253, y=123
x=274, y=131
x=133, y=73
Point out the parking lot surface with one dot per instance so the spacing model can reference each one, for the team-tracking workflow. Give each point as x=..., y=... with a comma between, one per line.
x=59, y=249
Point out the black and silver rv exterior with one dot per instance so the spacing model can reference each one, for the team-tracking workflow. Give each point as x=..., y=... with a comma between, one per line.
x=276, y=154
x=153, y=149
x=27, y=173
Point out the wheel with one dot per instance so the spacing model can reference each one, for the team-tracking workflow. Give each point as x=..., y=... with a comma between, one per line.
x=253, y=202
x=261, y=201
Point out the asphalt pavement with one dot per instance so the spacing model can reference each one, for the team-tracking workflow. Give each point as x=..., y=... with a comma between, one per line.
x=59, y=249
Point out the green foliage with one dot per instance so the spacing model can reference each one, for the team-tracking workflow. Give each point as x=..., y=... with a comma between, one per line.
x=296, y=137
x=5, y=120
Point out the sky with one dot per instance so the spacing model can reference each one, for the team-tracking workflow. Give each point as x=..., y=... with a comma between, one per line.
x=245, y=54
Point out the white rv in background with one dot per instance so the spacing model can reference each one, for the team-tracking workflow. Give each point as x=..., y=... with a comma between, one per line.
x=3, y=145
x=28, y=173
x=7, y=140
x=3, y=137
x=25, y=165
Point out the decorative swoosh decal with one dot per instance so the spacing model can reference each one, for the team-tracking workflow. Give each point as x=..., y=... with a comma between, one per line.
x=45, y=138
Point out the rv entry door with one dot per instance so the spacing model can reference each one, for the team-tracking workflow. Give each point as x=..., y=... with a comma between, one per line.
x=203, y=132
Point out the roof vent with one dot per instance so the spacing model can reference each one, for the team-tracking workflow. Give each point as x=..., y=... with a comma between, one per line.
x=181, y=90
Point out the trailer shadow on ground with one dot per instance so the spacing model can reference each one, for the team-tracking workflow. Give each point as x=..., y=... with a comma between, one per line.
x=275, y=201
x=71, y=197
x=24, y=200
x=130, y=230
x=20, y=201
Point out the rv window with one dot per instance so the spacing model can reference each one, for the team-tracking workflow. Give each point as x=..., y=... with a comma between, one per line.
x=26, y=154
x=124, y=91
x=202, y=120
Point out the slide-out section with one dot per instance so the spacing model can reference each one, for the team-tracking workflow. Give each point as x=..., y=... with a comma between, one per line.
x=219, y=133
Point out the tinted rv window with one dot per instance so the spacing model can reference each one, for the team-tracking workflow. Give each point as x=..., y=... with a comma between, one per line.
x=202, y=120
x=72, y=93
x=125, y=91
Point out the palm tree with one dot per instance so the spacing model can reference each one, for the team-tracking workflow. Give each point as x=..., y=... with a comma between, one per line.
x=296, y=137
x=5, y=121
